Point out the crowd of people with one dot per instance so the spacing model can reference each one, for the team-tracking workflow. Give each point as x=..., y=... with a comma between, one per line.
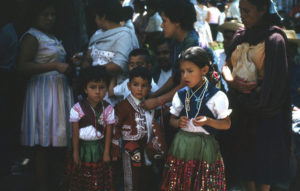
x=165, y=95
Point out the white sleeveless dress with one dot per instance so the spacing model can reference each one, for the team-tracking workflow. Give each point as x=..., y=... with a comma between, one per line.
x=48, y=98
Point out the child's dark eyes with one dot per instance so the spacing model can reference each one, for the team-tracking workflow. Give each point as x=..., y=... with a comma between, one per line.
x=100, y=87
x=137, y=64
x=143, y=85
x=189, y=71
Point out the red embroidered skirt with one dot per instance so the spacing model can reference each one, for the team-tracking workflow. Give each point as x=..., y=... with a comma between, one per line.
x=88, y=177
x=93, y=174
x=194, y=163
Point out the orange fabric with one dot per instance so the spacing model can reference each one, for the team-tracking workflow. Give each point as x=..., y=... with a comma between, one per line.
x=256, y=54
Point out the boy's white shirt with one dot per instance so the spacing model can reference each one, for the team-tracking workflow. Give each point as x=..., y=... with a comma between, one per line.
x=163, y=77
x=149, y=115
x=122, y=89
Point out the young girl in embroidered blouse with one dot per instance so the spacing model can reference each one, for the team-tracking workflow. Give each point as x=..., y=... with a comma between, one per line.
x=199, y=110
x=92, y=120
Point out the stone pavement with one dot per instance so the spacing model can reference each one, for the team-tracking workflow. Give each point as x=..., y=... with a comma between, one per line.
x=21, y=175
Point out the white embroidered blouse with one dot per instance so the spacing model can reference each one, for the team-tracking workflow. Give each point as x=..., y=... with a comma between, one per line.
x=90, y=133
x=218, y=105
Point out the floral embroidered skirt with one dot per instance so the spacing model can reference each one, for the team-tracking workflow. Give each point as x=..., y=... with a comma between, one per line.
x=194, y=163
x=93, y=174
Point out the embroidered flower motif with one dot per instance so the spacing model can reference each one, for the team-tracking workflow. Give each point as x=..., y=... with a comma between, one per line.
x=216, y=75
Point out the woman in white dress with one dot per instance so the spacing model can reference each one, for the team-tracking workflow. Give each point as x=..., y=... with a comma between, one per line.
x=48, y=97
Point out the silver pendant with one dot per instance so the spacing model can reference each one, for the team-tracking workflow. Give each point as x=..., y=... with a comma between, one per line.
x=187, y=104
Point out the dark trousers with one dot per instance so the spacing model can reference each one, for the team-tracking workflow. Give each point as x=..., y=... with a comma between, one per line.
x=214, y=31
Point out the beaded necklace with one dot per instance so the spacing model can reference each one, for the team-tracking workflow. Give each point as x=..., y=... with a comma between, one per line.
x=188, y=97
x=198, y=99
x=98, y=114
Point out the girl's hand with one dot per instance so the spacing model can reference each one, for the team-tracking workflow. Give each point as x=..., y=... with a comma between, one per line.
x=76, y=159
x=62, y=67
x=114, y=158
x=200, y=121
x=183, y=121
x=106, y=157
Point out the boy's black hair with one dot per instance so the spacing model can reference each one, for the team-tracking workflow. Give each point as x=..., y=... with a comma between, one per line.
x=93, y=74
x=142, y=72
x=111, y=9
x=141, y=52
x=180, y=11
x=127, y=13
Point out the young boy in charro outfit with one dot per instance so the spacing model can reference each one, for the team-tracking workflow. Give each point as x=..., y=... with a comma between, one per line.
x=141, y=136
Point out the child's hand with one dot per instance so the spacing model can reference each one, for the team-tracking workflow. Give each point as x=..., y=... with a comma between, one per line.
x=76, y=159
x=183, y=121
x=106, y=157
x=114, y=158
x=200, y=121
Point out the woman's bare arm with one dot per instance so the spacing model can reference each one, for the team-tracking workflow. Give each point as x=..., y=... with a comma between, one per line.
x=27, y=53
